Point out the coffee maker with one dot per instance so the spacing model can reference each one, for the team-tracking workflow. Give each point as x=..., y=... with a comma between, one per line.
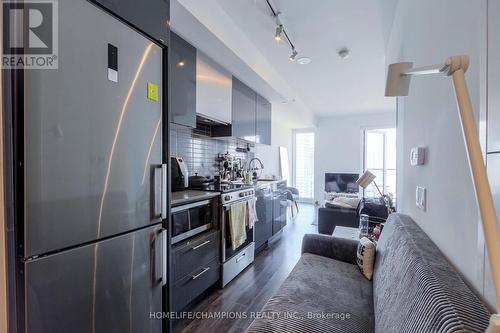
x=180, y=176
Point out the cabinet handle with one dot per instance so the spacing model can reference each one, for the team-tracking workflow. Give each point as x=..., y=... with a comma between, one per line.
x=164, y=180
x=242, y=256
x=202, y=244
x=194, y=277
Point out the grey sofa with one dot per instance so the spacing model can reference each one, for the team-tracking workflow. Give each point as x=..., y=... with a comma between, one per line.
x=414, y=289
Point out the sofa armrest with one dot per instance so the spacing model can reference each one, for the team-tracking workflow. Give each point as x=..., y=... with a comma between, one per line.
x=332, y=247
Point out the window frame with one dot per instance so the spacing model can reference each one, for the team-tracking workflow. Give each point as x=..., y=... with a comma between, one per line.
x=294, y=163
x=382, y=129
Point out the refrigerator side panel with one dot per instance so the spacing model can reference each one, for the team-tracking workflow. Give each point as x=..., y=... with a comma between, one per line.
x=110, y=286
x=92, y=133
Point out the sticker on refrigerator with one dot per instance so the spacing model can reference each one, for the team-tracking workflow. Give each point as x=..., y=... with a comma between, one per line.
x=152, y=91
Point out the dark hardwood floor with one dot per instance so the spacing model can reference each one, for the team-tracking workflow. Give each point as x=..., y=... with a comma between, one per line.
x=249, y=292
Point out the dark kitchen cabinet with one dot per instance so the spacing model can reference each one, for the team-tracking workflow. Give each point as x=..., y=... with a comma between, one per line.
x=243, y=111
x=279, y=211
x=264, y=207
x=182, y=81
x=263, y=121
x=148, y=16
x=196, y=267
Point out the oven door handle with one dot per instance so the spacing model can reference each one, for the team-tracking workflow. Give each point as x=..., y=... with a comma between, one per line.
x=189, y=206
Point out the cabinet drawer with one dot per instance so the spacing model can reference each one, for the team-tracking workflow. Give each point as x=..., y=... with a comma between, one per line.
x=191, y=254
x=193, y=284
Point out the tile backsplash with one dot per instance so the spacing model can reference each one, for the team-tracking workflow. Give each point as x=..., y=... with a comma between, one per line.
x=200, y=152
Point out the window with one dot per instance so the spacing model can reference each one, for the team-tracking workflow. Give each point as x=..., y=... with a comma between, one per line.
x=380, y=159
x=304, y=164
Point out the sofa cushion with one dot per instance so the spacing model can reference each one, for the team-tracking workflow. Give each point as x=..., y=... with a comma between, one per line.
x=365, y=257
x=416, y=289
x=319, y=285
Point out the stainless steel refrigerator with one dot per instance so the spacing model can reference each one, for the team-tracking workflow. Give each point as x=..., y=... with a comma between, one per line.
x=91, y=186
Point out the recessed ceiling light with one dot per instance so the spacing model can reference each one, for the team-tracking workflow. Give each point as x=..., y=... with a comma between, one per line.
x=304, y=60
x=344, y=53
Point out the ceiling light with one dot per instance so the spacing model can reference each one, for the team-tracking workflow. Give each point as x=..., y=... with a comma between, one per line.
x=344, y=53
x=293, y=56
x=304, y=60
x=279, y=31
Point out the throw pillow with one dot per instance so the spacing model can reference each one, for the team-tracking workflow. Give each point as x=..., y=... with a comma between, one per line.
x=366, y=257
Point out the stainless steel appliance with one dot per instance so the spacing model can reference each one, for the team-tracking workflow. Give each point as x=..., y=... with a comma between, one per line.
x=235, y=261
x=179, y=174
x=90, y=184
x=194, y=218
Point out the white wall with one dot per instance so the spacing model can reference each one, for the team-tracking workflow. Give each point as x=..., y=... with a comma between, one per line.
x=282, y=124
x=426, y=32
x=339, y=144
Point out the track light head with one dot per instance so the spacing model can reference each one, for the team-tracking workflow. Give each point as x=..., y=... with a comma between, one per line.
x=293, y=56
x=279, y=31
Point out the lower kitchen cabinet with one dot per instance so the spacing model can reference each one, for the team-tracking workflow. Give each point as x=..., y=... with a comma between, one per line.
x=279, y=212
x=193, y=285
x=195, y=268
x=264, y=207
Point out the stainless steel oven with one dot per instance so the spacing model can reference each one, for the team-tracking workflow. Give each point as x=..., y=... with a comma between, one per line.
x=194, y=218
x=235, y=260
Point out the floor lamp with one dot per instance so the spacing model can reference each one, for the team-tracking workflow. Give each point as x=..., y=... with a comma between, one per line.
x=398, y=84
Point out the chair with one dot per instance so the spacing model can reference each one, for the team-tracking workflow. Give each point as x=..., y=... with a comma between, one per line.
x=292, y=198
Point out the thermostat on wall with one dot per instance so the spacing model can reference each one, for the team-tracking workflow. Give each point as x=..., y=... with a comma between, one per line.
x=417, y=156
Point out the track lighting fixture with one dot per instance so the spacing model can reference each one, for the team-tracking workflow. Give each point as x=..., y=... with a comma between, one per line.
x=279, y=31
x=282, y=34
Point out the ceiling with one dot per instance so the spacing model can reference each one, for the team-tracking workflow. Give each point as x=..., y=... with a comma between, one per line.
x=328, y=85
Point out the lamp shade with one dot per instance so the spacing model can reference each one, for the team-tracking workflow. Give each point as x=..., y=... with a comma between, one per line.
x=366, y=179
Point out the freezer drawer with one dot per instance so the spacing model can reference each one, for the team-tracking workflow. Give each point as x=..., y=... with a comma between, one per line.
x=192, y=285
x=110, y=286
x=196, y=252
x=91, y=144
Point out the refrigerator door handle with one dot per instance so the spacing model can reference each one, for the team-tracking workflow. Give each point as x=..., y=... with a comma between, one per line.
x=164, y=179
x=157, y=259
x=164, y=257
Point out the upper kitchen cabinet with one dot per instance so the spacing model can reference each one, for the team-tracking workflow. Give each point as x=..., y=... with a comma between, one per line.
x=243, y=111
x=263, y=121
x=213, y=90
x=182, y=81
x=148, y=16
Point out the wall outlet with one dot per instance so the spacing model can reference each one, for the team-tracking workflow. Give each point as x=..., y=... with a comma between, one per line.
x=420, y=198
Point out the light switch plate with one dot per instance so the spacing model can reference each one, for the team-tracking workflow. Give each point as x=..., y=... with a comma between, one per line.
x=417, y=156
x=420, y=198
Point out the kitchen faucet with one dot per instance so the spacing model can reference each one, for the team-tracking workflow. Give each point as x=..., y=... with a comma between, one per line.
x=254, y=174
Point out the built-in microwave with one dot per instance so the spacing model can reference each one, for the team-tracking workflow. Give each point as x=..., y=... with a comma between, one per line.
x=193, y=218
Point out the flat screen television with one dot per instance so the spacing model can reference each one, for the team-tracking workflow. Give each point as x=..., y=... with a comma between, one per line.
x=341, y=182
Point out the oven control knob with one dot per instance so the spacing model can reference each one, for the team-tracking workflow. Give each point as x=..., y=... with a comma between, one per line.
x=242, y=194
x=227, y=198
